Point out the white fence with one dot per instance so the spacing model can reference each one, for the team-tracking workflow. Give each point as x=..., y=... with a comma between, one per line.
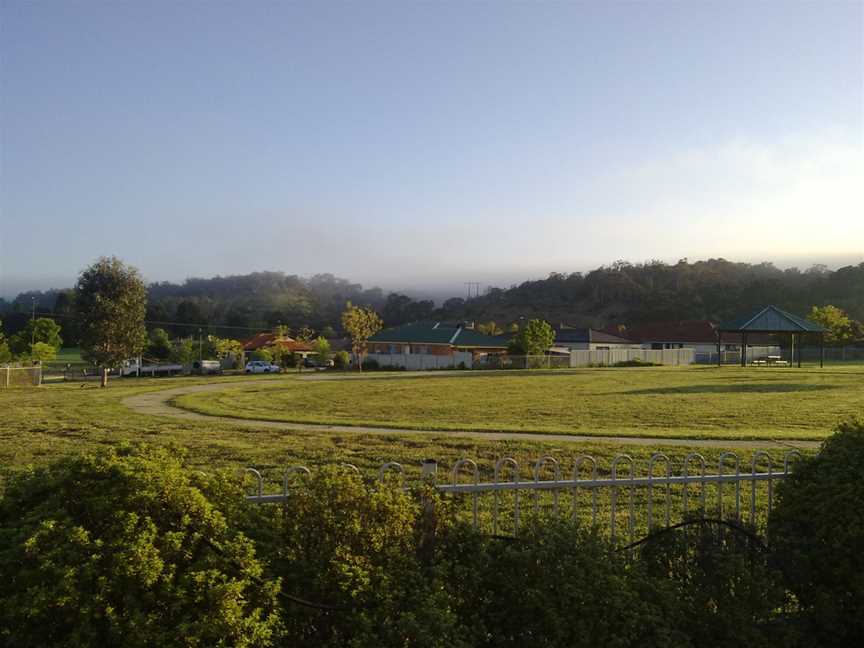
x=665, y=498
x=608, y=357
x=20, y=377
x=421, y=361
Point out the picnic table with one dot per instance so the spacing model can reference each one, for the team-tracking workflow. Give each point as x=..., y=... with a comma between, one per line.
x=771, y=360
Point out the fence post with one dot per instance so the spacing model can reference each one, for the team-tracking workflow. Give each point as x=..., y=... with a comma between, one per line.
x=8, y=375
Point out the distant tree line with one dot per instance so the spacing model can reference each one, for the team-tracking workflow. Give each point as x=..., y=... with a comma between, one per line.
x=236, y=306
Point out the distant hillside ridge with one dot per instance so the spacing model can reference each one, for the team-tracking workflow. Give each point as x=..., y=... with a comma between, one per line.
x=623, y=292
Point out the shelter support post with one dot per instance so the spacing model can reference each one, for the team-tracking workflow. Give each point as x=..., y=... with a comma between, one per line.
x=791, y=349
x=719, y=339
x=743, y=349
x=800, y=348
x=821, y=350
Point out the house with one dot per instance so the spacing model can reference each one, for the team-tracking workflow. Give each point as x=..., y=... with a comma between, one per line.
x=267, y=339
x=699, y=335
x=431, y=345
x=588, y=339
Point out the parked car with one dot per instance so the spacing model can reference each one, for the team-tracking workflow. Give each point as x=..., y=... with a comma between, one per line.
x=261, y=366
x=207, y=367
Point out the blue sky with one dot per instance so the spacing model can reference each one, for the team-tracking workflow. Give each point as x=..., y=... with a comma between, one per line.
x=426, y=144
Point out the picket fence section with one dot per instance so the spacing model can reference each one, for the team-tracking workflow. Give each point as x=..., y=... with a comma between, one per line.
x=667, y=497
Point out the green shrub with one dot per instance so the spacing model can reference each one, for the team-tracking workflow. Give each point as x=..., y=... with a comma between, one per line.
x=817, y=532
x=263, y=355
x=558, y=585
x=370, y=364
x=360, y=549
x=341, y=360
x=636, y=362
x=121, y=548
x=726, y=589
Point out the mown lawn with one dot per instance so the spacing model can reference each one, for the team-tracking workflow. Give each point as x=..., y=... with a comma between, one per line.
x=704, y=402
x=42, y=424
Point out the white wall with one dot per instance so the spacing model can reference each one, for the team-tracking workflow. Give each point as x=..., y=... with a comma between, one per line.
x=421, y=361
x=659, y=356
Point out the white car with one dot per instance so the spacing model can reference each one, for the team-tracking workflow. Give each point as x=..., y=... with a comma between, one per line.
x=261, y=366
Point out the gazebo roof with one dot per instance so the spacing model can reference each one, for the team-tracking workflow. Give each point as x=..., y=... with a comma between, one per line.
x=771, y=320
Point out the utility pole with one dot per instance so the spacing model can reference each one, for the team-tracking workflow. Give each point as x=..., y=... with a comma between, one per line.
x=33, y=322
x=200, y=356
x=473, y=287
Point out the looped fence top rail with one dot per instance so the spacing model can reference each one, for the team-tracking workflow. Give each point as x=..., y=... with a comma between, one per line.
x=646, y=489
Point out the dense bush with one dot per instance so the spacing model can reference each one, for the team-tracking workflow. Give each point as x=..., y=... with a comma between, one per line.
x=362, y=550
x=341, y=360
x=122, y=549
x=727, y=591
x=558, y=585
x=817, y=531
x=129, y=548
x=636, y=362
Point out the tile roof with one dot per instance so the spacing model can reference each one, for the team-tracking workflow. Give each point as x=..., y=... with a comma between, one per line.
x=438, y=333
x=693, y=331
x=684, y=332
x=771, y=320
x=261, y=340
x=582, y=336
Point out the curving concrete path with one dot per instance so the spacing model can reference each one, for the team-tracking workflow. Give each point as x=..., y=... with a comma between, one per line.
x=158, y=404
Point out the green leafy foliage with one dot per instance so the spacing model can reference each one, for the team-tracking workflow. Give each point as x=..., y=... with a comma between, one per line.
x=5, y=352
x=361, y=549
x=557, y=585
x=183, y=352
x=159, y=345
x=817, y=529
x=43, y=330
x=839, y=328
x=261, y=354
x=534, y=339
x=110, y=302
x=341, y=360
x=123, y=549
x=323, y=354
x=42, y=352
x=726, y=589
x=361, y=324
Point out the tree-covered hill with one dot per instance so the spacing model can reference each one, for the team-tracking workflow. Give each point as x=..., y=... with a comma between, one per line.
x=623, y=292
x=631, y=293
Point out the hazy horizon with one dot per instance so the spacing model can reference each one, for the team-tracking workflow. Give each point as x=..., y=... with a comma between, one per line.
x=420, y=146
x=427, y=288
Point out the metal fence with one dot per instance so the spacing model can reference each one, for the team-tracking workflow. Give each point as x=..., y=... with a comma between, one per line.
x=622, y=500
x=20, y=377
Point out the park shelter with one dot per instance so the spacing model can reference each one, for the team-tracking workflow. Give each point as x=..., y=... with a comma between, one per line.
x=775, y=321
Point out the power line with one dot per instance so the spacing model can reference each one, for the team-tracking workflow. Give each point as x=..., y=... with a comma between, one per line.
x=166, y=323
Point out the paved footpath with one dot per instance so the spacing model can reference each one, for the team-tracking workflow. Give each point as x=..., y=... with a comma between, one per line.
x=158, y=404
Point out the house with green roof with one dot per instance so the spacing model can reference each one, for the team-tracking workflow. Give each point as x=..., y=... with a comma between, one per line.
x=433, y=345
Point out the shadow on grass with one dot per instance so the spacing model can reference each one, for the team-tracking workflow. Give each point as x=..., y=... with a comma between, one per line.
x=741, y=388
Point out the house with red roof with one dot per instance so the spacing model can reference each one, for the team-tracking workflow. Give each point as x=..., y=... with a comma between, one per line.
x=267, y=339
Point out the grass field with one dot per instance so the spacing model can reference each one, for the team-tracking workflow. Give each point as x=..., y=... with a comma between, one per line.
x=42, y=424
x=727, y=403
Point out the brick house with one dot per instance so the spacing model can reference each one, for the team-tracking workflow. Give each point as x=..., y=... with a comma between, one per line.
x=429, y=345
